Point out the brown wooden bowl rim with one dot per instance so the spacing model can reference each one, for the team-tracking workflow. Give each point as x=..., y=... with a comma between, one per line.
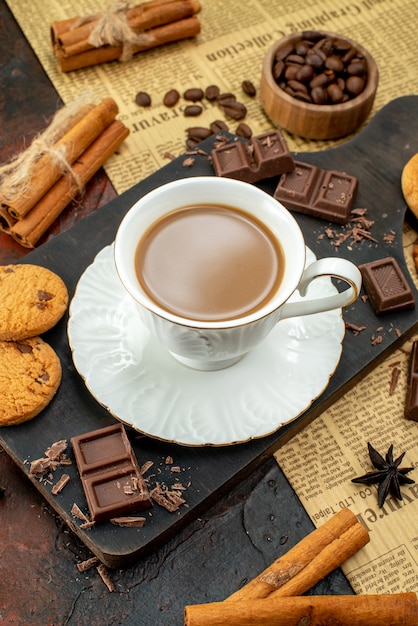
x=368, y=92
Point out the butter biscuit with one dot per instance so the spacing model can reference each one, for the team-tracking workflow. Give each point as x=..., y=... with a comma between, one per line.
x=409, y=184
x=30, y=374
x=32, y=300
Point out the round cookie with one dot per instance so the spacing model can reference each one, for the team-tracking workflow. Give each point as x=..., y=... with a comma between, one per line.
x=30, y=374
x=32, y=300
x=409, y=184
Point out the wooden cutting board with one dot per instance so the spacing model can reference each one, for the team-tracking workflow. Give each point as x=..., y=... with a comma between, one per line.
x=376, y=156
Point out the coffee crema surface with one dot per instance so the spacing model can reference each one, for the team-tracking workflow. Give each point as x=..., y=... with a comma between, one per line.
x=209, y=262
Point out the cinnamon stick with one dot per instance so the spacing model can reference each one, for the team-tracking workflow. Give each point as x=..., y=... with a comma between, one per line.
x=310, y=560
x=61, y=27
x=399, y=609
x=168, y=33
x=6, y=221
x=48, y=169
x=140, y=19
x=28, y=230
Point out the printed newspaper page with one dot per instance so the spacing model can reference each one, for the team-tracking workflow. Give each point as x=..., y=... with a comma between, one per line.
x=234, y=39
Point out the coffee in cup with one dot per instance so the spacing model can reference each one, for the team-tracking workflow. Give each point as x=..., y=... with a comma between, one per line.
x=211, y=263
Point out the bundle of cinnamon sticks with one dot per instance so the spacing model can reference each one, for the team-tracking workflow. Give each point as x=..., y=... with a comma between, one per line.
x=35, y=190
x=120, y=32
x=274, y=597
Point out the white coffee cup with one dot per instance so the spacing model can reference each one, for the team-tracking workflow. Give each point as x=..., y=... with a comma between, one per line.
x=214, y=345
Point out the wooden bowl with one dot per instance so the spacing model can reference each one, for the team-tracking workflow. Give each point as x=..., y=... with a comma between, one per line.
x=316, y=121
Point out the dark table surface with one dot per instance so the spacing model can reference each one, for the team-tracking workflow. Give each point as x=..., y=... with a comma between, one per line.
x=211, y=557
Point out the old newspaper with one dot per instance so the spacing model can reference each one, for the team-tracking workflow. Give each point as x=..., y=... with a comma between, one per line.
x=234, y=38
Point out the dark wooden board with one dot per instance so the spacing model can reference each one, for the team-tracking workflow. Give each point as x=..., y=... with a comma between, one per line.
x=377, y=156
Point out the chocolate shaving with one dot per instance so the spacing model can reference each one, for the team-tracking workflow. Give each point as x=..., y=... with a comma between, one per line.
x=128, y=522
x=104, y=575
x=60, y=484
x=355, y=329
x=394, y=380
x=87, y=564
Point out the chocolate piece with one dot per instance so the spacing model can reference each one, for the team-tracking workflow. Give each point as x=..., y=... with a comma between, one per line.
x=264, y=156
x=411, y=401
x=386, y=286
x=326, y=194
x=109, y=473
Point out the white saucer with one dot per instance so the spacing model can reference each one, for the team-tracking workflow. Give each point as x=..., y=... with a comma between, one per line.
x=142, y=385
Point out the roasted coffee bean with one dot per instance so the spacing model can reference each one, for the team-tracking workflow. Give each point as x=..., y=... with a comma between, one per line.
x=199, y=133
x=291, y=72
x=143, y=99
x=333, y=62
x=357, y=67
x=354, y=85
x=335, y=93
x=218, y=125
x=171, y=98
x=193, y=110
x=278, y=69
x=321, y=69
x=305, y=73
x=243, y=130
x=319, y=95
x=226, y=98
x=248, y=88
x=235, y=110
x=193, y=95
x=212, y=92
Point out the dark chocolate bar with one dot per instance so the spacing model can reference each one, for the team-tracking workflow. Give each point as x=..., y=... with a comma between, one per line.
x=109, y=473
x=386, y=286
x=263, y=156
x=411, y=401
x=326, y=194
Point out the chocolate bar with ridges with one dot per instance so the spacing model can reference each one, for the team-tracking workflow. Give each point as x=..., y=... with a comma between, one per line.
x=411, y=401
x=263, y=156
x=109, y=473
x=386, y=286
x=325, y=194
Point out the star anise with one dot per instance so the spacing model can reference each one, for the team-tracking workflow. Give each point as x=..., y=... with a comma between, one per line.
x=389, y=475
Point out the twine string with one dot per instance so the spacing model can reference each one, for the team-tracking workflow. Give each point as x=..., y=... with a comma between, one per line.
x=112, y=29
x=16, y=176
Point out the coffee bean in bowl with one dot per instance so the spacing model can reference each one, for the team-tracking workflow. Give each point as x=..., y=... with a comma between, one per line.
x=318, y=85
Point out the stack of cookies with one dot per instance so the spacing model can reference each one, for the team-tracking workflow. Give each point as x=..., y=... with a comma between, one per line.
x=32, y=300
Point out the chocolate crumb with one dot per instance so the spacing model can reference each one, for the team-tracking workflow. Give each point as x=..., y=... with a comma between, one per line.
x=59, y=486
x=128, y=522
x=355, y=329
x=188, y=162
x=104, y=575
x=394, y=380
x=87, y=564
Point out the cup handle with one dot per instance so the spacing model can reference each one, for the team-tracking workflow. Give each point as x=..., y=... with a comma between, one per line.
x=337, y=268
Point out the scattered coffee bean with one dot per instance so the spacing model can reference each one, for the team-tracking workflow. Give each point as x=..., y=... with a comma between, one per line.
x=243, y=130
x=218, y=125
x=199, y=133
x=226, y=98
x=320, y=69
x=193, y=110
x=248, y=88
x=212, y=92
x=193, y=95
x=235, y=110
x=143, y=99
x=171, y=98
